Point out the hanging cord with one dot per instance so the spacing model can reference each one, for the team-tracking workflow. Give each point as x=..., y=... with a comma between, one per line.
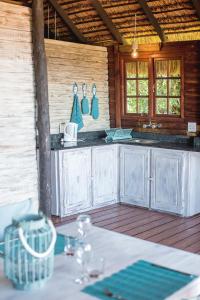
x=135, y=29
x=48, y=21
x=55, y=23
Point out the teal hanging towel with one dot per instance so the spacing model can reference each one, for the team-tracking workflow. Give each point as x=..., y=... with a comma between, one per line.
x=95, y=103
x=76, y=116
x=84, y=102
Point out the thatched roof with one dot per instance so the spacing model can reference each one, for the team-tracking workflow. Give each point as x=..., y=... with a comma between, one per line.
x=169, y=20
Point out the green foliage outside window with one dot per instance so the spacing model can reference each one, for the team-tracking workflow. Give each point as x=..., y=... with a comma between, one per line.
x=167, y=87
x=137, y=87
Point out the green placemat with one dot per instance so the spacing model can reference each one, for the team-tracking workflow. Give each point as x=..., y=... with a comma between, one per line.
x=141, y=281
x=59, y=247
x=60, y=244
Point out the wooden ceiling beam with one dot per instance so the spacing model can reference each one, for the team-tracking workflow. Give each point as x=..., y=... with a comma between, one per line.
x=196, y=4
x=107, y=21
x=64, y=16
x=152, y=19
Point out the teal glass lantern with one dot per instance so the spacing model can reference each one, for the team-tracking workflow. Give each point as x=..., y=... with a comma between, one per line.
x=29, y=251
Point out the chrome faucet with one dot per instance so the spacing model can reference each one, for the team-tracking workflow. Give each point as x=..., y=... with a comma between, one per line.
x=152, y=125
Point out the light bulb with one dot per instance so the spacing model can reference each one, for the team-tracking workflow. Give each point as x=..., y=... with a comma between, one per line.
x=134, y=53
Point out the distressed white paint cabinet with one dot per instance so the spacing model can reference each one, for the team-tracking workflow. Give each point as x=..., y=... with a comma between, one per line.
x=84, y=178
x=160, y=179
x=167, y=180
x=154, y=178
x=71, y=181
x=193, y=182
x=104, y=174
x=76, y=180
x=134, y=175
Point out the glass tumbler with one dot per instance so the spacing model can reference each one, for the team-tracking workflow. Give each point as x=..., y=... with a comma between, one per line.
x=84, y=225
x=82, y=256
x=71, y=243
x=95, y=267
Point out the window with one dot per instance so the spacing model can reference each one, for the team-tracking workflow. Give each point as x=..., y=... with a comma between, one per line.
x=160, y=90
x=137, y=87
x=168, y=87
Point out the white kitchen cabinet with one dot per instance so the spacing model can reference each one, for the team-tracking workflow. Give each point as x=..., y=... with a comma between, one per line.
x=134, y=175
x=76, y=179
x=160, y=179
x=193, y=183
x=84, y=178
x=72, y=192
x=167, y=180
x=105, y=175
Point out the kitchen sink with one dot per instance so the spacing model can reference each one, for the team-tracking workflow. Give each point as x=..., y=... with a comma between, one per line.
x=140, y=141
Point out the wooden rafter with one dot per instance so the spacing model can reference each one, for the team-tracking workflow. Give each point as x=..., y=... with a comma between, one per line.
x=64, y=16
x=107, y=21
x=196, y=4
x=152, y=19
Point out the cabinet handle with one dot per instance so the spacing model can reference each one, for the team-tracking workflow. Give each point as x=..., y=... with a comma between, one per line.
x=150, y=178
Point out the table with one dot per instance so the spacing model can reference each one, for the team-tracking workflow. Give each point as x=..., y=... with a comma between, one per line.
x=119, y=251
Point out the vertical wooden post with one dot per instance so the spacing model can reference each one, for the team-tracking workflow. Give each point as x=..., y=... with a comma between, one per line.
x=42, y=106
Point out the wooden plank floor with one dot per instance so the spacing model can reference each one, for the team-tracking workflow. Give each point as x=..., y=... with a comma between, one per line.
x=162, y=228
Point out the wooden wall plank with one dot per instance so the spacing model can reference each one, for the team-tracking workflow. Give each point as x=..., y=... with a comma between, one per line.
x=191, y=53
x=18, y=167
x=69, y=63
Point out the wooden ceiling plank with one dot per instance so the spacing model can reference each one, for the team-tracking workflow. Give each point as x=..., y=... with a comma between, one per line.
x=107, y=21
x=64, y=16
x=196, y=4
x=152, y=19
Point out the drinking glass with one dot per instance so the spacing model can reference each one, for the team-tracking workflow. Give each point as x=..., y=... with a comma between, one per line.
x=84, y=225
x=95, y=266
x=71, y=243
x=82, y=255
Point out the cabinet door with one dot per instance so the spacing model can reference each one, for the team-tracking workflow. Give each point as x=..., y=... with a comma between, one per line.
x=104, y=174
x=134, y=175
x=193, y=205
x=167, y=179
x=76, y=180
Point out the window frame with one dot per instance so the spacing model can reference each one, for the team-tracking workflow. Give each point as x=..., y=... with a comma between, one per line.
x=155, y=96
x=152, y=90
x=137, y=79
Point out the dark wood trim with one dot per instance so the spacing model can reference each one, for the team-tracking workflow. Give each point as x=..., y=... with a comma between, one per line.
x=181, y=97
x=107, y=21
x=122, y=84
x=190, y=94
x=64, y=16
x=152, y=90
x=196, y=4
x=117, y=87
x=152, y=19
x=182, y=88
x=137, y=96
x=43, y=126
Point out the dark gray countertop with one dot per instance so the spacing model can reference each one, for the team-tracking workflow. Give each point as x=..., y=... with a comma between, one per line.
x=102, y=142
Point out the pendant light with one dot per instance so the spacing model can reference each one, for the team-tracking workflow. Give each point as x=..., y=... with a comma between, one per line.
x=134, y=52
